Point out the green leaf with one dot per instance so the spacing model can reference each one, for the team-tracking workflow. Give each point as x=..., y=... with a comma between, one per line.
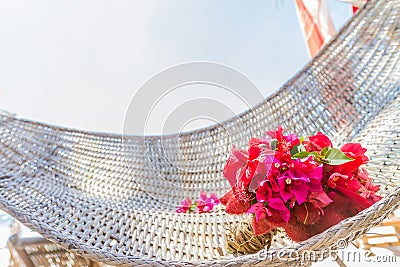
x=316, y=155
x=273, y=144
x=301, y=155
x=302, y=139
x=297, y=149
x=193, y=207
x=336, y=157
x=325, y=150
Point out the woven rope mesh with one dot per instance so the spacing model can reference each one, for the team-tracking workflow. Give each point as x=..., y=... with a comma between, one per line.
x=111, y=198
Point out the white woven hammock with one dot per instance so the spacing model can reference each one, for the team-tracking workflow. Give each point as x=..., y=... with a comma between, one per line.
x=112, y=199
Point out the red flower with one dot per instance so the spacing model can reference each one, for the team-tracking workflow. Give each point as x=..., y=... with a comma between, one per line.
x=235, y=167
x=278, y=205
x=319, y=200
x=368, y=189
x=337, y=180
x=233, y=204
x=256, y=170
x=356, y=152
x=357, y=188
x=264, y=191
x=284, y=144
x=317, y=142
x=355, y=202
x=244, y=169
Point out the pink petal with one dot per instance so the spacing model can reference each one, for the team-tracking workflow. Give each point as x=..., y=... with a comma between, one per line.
x=286, y=195
x=277, y=204
x=316, y=173
x=320, y=141
x=300, y=192
x=259, y=210
x=203, y=195
x=315, y=185
x=319, y=198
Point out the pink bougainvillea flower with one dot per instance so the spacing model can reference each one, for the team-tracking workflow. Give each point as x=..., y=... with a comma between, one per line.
x=291, y=186
x=206, y=204
x=259, y=210
x=212, y=199
x=302, y=177
x=201, y=205
x=277, y=204
x=308, y=167
x=274, y=167
x=274, y=205
x=186, y=206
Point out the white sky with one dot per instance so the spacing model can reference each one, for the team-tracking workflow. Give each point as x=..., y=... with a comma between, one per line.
x=79, y=63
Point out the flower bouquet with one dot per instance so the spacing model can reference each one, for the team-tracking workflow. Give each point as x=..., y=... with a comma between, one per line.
x=302, y=185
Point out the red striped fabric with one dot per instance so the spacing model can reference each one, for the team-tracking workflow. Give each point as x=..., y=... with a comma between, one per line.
x=315, y=22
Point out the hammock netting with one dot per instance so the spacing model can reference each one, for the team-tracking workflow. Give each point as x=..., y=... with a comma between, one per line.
x=112, y=198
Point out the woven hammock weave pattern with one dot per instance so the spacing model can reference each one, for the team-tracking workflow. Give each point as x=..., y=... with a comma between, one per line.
x=111, y=198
